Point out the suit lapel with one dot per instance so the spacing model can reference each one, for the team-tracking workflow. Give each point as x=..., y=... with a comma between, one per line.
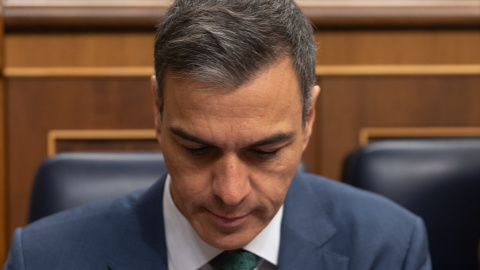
x=148, y=213
x=304, y=234
x=306, y=228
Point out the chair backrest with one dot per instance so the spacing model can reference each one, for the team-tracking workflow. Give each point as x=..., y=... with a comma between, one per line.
x=68, y=180
x=72, y=179
x=439, y=180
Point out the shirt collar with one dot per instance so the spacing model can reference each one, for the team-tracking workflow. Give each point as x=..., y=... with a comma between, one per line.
x=183, y=242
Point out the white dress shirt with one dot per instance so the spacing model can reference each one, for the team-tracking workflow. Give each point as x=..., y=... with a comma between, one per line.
x=187, y=251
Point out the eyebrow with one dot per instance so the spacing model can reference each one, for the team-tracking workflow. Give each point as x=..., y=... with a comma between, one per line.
x=275, y=138
x=184, y=135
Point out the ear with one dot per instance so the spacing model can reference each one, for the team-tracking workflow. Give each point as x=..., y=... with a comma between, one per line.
x=156, y=107
x=310, y=116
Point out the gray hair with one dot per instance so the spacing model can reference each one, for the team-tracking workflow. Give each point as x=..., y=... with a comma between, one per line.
x=227, y=42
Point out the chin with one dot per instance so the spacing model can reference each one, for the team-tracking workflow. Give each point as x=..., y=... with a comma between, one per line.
x=229, y=244
x=228, y=238
x=227, y=241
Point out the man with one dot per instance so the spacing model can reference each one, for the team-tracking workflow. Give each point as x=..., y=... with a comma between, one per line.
x=234, y=108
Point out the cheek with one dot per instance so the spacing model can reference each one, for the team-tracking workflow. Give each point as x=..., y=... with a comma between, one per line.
x=189, y=186
x=189, y=192
x=273, y=185
x=279, y=179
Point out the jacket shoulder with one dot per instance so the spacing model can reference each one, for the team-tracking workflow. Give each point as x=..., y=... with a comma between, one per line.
x=341, y=199
x=371, y=230
x=125, y=232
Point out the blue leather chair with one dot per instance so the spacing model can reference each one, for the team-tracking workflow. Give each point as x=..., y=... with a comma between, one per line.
x=72, y=179
x=439, y=180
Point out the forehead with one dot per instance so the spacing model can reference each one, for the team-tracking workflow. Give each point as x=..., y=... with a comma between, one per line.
x=270, y=100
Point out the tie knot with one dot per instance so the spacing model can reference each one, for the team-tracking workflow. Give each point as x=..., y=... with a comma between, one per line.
x=234, y=260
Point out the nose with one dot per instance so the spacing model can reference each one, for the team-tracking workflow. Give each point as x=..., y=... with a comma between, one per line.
x=231, y=183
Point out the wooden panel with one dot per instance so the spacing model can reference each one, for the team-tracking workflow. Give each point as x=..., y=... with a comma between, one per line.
x=438, y=47
x=349, y=103
x=46, y=72
x=79, y=49
x=323, y=13
x=37, y=106
x=368, y=135
x=3, y=178
x=321, y=70
x=3, y=154
x=400, y=47
x=388, y=14
x=412, y=70
x=107, y=146
x=101, y=140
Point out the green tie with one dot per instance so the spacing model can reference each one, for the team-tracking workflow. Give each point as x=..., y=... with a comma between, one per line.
x=234, y=260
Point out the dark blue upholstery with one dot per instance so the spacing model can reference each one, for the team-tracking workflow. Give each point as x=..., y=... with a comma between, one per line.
x=71, y=179
x=439, y=180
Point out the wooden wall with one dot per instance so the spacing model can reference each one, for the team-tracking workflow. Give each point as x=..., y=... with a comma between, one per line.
x=75, y=76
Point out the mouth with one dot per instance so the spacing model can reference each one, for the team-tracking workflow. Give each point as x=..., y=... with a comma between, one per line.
x=228, y=221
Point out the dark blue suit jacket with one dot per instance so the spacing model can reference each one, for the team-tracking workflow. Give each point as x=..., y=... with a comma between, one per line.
x=326, y=225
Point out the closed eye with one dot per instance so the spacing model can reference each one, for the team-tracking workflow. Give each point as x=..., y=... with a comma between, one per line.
x=265, y=155
x=198, y=151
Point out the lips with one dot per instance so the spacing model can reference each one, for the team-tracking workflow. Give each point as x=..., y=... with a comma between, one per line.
x=228, y=221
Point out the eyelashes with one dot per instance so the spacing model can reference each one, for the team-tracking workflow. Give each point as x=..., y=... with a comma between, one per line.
x=265, y=155
x=256, y=153
x=199, y=151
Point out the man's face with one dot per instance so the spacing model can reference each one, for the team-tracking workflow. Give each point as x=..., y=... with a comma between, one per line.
x=232, y=153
